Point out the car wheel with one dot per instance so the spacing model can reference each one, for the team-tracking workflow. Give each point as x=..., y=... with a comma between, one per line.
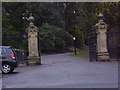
x=7, y=68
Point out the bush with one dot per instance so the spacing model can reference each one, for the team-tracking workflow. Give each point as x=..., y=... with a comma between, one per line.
x=54, y=38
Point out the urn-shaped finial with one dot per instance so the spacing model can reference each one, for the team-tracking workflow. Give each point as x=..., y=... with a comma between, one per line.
x=101, y=16
x=31, y=18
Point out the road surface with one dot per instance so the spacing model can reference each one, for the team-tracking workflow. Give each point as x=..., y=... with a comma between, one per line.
x=64, y=71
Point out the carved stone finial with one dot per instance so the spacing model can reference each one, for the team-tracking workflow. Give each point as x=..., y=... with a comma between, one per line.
x=101, y=16
x=31, y=18
x=31, y=25
x=101, y=19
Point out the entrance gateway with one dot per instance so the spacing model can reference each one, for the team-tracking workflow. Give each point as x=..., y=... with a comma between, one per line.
x=100, y=42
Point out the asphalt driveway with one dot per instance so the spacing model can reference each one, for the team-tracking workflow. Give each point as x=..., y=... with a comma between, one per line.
x=64, y=71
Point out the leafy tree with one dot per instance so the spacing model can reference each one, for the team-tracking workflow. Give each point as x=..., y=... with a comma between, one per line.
x=111, y=12
x=77, y=18
x=53, y=38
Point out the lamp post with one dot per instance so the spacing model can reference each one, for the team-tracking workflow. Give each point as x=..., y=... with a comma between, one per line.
x=74, y=38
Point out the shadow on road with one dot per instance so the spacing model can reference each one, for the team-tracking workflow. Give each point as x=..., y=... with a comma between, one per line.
x=11, y=73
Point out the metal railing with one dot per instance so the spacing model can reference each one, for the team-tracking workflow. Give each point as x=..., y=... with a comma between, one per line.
x=21, y=56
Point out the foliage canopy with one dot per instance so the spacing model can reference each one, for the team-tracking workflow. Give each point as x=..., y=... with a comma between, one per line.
x=74, y=17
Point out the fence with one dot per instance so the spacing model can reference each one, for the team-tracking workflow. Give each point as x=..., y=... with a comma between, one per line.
x=113, y=36
x=92, y=42
x=21, y=56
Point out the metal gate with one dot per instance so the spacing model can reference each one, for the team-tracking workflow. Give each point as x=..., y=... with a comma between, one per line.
x=21, y=56
x=92, y=42
x=113, y=36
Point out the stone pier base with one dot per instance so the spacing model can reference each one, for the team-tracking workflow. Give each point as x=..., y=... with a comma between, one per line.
x=32, y=60
x=103, y=56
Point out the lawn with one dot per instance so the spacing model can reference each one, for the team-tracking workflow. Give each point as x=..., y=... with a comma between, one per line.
x=81, y=53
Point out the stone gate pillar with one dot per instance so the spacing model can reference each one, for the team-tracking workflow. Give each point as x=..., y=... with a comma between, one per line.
x=102, y=50
x=33, y=50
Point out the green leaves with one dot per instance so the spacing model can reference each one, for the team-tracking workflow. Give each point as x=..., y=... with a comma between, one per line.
x=74, y=17
x=54, y=38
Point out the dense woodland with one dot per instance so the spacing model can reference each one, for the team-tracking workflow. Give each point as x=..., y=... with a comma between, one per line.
x=58, y=22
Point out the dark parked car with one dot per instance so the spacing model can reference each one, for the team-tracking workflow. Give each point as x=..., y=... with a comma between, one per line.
x=7, y=59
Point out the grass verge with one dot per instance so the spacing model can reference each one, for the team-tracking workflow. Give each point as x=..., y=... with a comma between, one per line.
x=81, y=53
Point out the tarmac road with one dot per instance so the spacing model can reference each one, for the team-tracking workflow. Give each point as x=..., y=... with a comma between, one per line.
x=64, y=71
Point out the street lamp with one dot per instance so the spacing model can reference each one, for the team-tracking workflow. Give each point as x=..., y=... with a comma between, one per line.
x=74, y=38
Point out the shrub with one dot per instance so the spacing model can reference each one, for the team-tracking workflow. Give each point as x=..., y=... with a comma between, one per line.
x=54, y=38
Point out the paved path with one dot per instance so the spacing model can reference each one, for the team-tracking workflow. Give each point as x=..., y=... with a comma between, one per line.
x=63, y=71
